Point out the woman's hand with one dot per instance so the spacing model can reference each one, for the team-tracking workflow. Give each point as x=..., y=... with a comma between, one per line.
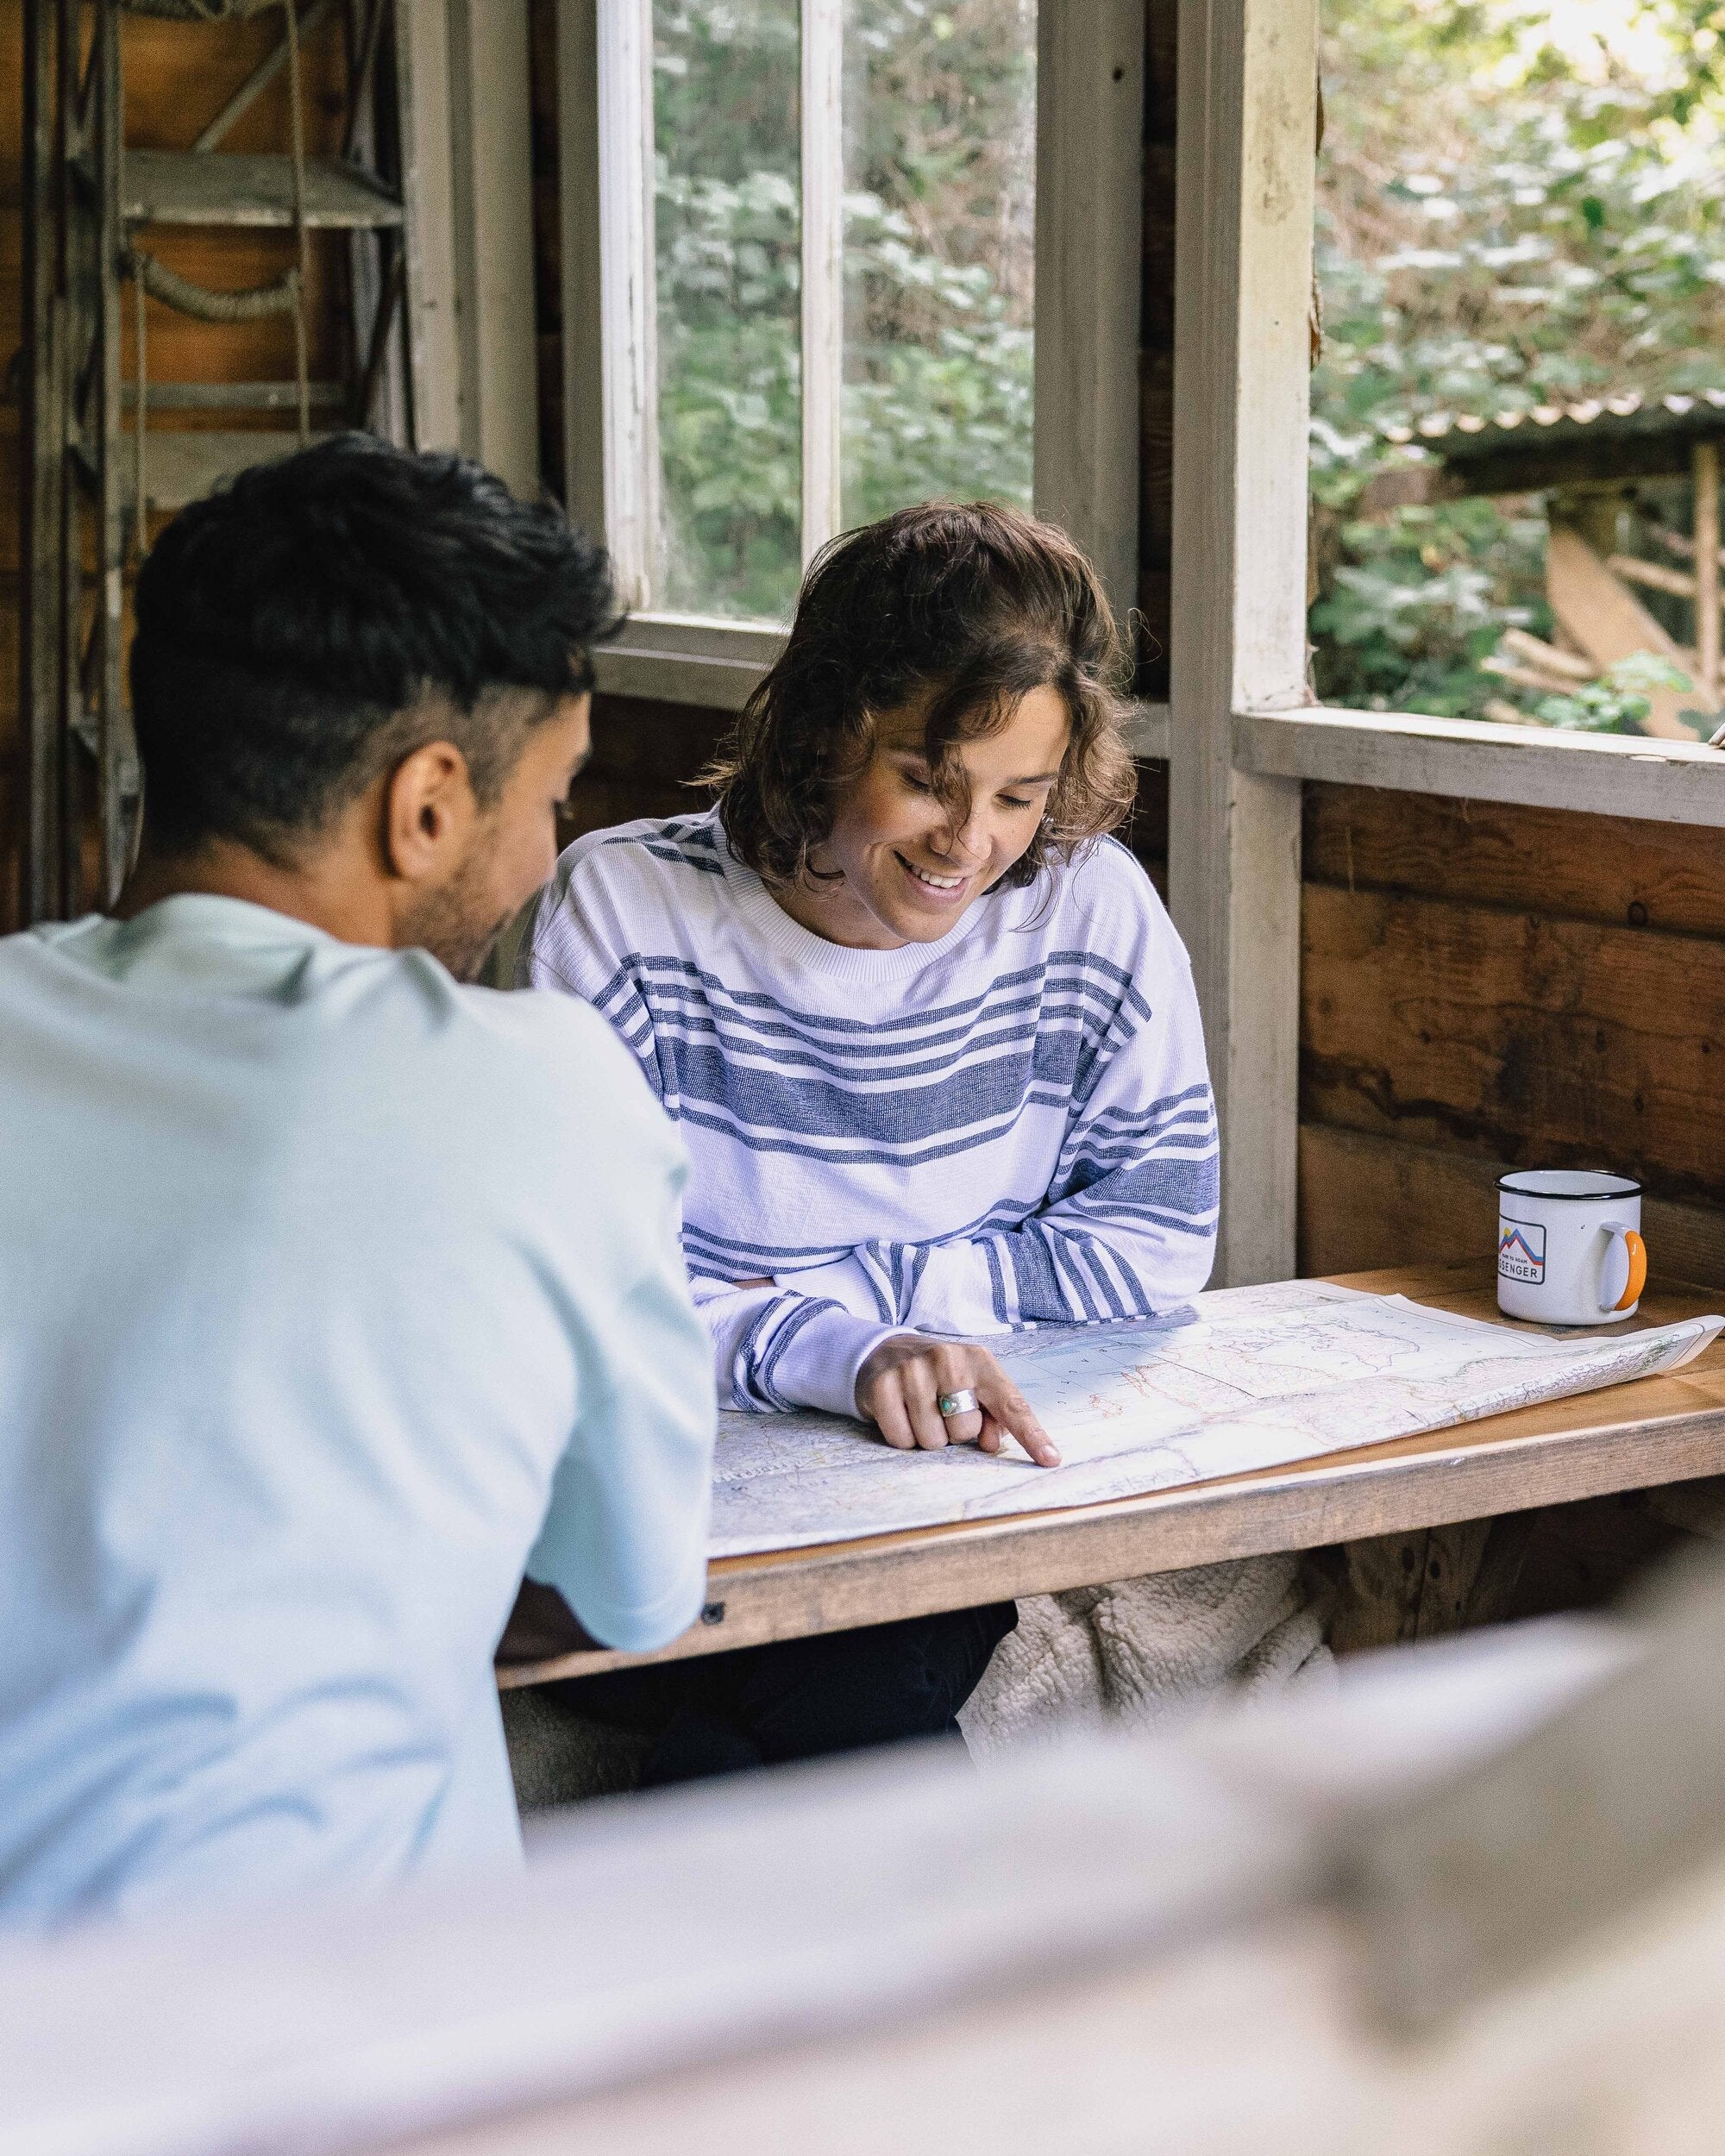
x=899, y=1385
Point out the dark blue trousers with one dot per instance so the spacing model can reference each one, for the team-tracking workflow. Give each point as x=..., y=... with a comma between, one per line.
x=798, y=1699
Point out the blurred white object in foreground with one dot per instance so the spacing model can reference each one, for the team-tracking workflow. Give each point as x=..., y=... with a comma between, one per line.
x=1475, y=1903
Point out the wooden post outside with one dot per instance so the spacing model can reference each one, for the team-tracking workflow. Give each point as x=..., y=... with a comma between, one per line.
x=1704, y=466
x=1246, y=121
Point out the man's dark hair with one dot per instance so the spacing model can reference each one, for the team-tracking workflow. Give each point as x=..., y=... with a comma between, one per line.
x=322, y=617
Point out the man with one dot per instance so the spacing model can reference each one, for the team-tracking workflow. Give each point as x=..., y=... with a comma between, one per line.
x=333, y=1293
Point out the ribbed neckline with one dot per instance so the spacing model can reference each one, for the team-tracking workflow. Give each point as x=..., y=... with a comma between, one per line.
x=790, y=940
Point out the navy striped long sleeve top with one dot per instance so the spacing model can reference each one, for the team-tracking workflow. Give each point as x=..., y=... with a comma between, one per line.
x=1012, y=1126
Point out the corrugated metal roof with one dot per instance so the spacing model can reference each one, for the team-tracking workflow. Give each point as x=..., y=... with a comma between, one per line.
x=1457, y=436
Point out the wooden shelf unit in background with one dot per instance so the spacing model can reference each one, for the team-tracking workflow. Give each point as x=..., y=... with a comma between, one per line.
x=232, y=247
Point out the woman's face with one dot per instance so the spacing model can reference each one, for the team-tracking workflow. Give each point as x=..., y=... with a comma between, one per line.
x=908, y=871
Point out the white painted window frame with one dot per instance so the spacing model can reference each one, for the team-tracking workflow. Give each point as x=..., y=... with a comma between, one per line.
x=1243, y=734
x=1089, y=128
x=1246, y=124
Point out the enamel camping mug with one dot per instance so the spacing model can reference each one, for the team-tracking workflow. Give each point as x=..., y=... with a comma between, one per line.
x=1569, y=1246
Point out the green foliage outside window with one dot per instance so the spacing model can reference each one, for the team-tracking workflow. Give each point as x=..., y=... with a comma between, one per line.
x=940, y=157
x=725, y=127
x=938, y=367
x=1519, y=204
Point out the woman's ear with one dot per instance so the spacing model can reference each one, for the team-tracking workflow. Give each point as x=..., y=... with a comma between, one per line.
x=429, y=813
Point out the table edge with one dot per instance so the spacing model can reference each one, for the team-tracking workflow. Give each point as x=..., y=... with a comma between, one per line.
x=1457, y=1476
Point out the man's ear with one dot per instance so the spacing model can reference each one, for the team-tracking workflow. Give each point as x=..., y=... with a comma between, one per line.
x=428, y=810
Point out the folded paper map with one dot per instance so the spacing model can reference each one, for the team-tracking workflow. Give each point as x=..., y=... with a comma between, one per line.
x=1251, y=1377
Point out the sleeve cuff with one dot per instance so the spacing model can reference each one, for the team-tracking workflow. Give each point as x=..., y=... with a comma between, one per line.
x=649, y=1625
x=844, y=1282
x=819, y=1367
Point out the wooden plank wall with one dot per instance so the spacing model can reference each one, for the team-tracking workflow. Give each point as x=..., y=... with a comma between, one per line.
x=1485, y=986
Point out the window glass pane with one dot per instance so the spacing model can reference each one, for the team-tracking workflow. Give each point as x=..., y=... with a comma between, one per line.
x=1520, y=253
x=726, y=76
x=940, y=181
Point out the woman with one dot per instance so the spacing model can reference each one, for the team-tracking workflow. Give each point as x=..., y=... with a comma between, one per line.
x=929, y=1034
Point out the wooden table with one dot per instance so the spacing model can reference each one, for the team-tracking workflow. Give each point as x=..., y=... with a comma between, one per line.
x=1630, y=1437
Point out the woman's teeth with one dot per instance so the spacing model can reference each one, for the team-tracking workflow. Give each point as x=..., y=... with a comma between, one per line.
x=934, y=883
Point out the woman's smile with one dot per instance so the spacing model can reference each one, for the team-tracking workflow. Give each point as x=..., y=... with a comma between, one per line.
x=941, y=889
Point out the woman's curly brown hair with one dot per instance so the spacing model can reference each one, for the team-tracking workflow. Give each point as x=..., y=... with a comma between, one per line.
x=958, y=610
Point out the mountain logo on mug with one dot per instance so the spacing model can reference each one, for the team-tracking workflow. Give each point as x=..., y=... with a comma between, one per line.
x=1521, y=1251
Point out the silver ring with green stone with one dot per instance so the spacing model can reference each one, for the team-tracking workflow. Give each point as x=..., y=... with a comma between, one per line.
x=950, y=1404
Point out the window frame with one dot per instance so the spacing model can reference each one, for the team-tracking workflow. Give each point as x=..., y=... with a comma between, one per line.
x=1262, y=65
x=1089, y=132
x=1244, y=734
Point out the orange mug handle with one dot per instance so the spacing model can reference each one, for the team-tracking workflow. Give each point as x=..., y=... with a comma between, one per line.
x=1638, y=1270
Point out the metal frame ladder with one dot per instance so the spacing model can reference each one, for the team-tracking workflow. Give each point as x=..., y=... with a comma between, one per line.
x=93, y=472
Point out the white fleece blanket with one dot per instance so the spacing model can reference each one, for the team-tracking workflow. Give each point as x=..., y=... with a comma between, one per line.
x=1137, y=1650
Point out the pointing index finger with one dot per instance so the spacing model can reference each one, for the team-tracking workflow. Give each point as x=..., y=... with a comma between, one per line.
x=1036, y=1441
x=1008, y=1407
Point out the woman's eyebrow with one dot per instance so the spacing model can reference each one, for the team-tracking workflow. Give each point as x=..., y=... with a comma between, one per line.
x=1042, y=777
